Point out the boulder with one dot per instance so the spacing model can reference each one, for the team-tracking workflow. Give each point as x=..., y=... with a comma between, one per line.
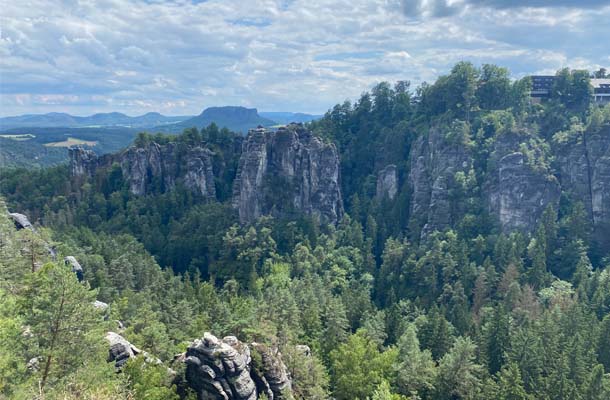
x=100, y=305
x=121, y=350
x=70, y=261
x=21, y=221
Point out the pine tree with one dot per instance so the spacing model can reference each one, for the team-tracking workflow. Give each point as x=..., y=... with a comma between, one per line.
x=459, y=375
x=498, y=339
x=415, y=368
x=58, y=309
x=510, y=384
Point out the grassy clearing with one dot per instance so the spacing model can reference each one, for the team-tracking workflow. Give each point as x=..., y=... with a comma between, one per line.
x=19, y=137
x=72, y=142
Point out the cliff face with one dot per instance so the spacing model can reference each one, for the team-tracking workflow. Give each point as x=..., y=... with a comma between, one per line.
x=225, y=369
x=153, y=167
x=435, y=159
x=518, y=184
x=285, y=171
x=584, y=172
x=518, y=189
x=387, y=183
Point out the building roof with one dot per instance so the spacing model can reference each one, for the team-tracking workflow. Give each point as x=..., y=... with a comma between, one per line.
x=599, y=83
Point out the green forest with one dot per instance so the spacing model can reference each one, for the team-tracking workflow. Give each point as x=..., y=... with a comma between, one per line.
x=388, y=309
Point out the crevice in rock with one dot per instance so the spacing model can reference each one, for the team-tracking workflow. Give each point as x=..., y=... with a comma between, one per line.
x=589, y=174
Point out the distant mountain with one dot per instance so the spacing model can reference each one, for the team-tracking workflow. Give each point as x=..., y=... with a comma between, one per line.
x=62, y=120
x=284, y=118
x=237, y=119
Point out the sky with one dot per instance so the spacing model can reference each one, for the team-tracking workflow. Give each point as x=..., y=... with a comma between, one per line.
x=178, y=57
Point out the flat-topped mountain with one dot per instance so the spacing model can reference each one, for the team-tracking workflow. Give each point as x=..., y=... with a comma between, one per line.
x=237, y=119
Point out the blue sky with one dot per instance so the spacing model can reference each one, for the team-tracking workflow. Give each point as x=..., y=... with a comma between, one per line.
x=180, y=56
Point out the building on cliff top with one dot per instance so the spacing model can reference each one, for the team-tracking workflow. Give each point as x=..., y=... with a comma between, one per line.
x=601, y=90
x=542, y=85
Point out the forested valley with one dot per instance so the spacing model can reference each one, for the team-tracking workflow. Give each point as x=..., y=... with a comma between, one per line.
x=463, y=252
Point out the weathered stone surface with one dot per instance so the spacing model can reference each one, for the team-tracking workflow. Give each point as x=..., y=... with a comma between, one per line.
x=76, y=267
x=387, y=182
x=285, y=171
x=584, y=172
x=100, y=305
x=82, y=162
x=435, y=159
x=223, y=369
x=153, y=167
x=518, y=191
x=120, y=350
x=220, y=369
x=21, y=221
x=272, y=376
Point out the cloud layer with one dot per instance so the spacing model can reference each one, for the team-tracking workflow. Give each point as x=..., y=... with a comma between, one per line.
x=179, y=56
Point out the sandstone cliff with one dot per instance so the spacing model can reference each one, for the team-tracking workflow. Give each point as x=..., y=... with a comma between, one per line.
x=584, y=172
x=153, y=167
x=435, y=159
x=387, y=183
x=519, y=184
x=284, y=171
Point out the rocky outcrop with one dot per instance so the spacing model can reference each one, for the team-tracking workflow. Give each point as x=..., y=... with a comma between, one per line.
x=226, y=370
x=121, y=350
x=584, y=172
x=153, y=167
x=271, y=375
x=21, y=221
x=519, y=186
x=387, y=183
x=288, y=170
x=76, y=267
x=100, y=305
x=435, y=160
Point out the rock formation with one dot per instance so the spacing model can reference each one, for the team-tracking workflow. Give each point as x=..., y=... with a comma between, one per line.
x=76, y=267
x=153, y=167
x=21, y=221
x=82, y=161
x=387, y=182
x=226, y=370
x=285, y=171
x=435, y=159
x=518, y=189
x=584, y=172
x=121, y=350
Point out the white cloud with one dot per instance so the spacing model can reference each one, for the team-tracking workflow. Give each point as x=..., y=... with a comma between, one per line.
x=180, y=56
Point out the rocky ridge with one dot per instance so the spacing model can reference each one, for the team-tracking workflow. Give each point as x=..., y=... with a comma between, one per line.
x=152, y=167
